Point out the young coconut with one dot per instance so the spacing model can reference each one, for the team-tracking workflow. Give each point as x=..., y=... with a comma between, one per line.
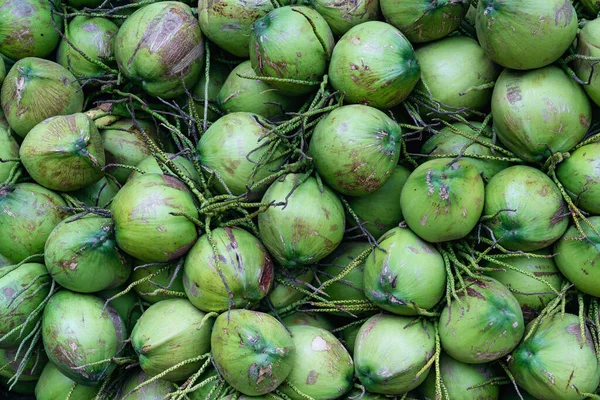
x=157, y=390
x=98, y=194
x=304, y=318
x=155, y=283
x=442, y=199
x=145, y=225
x=308, y=228
x=150, y=165
x=383, y=68
x=302, y=55
x=9, y=150
x=580, y=176
x=64, y=153
x=343, y=15
x=524, y=209
x=588, y=45
x=128, y=305
x=29, y=372
x=37, y=89
x=169, y=333
x=160, y=47
x=322, y=369
x=283, y=295
x=53, y=385
x=253, y=352
x=482, y=325
x=391, y=350
x=81, y=336
x=554, y=362
x=217, y=75
x=407, y=276
x=355, y=149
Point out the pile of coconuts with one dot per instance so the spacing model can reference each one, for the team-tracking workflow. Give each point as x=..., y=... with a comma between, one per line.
x=299, y=199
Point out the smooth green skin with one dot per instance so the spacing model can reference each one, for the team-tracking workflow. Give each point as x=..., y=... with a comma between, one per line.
x=218, y=73
x=323, y=368
x=308, y=229
x=281, y=295
x=343, y=15
x=82, y=255
x=28, y=213
x=169, y=332
x=348, y=337
x=64, y=153
x=577, y=259
x=355, y=149
x=301, y=318
x=458, y=377
x=156, y=390
x=380, y=211
x=246, y=95
x=32, y=370
x=17, y=304
x=223, y=148
x=124, y=143
x=411, y=272
x=539, y=112
x=244, y=271
x=145, y=228
x=149, y=164
x=146, y=290
x=538, y=219
x=450, y=144
x=364, y=67
x=485, y=326
x=552, y=362
x=9, y=149
x=452, y=66
x=525, y=35
x=284, y=45
x=78, y=331
x=54, y=385
x=580, y=176
x=442, y=202
x=389, y=353
x=424, y=20
x=589, y=45
x=36, y=89
x=157, y=45
x=26, y=28
x=531, y=294
x=97, y=194
x=128, y=305
x=228, y=23
x=253, y=351
x=95, y=38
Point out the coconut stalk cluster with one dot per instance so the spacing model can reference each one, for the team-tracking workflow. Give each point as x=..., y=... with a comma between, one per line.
x=299, y=200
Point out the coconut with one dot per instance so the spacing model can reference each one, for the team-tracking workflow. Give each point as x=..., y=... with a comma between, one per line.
x=157, y=390
x=348, y=337
x=282, y=295
x=343, y=15
x=36, y=89
x=302, y=318
x=152, y=290
x=128, y=305
x=217, y=75
x=580, y=176
x=9, y=149
x=588, y=45
x=54, y=385
x=30, y=372
x=150, y=165
x=374, y=64
x=85, y=3
x=98, y=194
x=592, y=6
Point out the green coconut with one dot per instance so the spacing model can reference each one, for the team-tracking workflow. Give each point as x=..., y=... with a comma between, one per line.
x=28, y=213
x=231, y=149
x=128, y=305
x=282, y=295
x=343, y=15
x=449, y=143
x=253, y=352
x=355, y=149
x=168, y=333
x=525, y=34
x=98, y=194
x=150, y=165
x=380, y=211
x=23, y=290
x=534, y=129
x=452, y=68
x=78, y=332
x=362, y=395
x=36, y=89
x=554, y=362
x=348, y=337
x=2, y=70
x=157, y=390
x=145, y=227
x=374, y=64
x=234, y=271
x=525, y=209
x=202, y=393
x=153, y=289
x=82, y=255
x=228, y=23
x=442, y=199
x=425, y=20
x=12, y=361
x=408, y=275
x=291, y=42
x=9, y=150
x=323, y=368
x=588, y=45
x=390, y=351
x=482, y=326
x=461, y=381
x=160, y=48
x=53, y=385
x=94, y=36
x=308, y=228
x=64, y=153
x=217, y=75
x=302, y=318
x=254, y=96
x=3, y=121
x=580, y=176
x=26, y=28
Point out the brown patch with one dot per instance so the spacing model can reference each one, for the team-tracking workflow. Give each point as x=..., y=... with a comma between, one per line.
x=267, y=276
x=513, y=94
x=564, y=14
x=312, y=377
x=474, y=293
x=584, y=121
